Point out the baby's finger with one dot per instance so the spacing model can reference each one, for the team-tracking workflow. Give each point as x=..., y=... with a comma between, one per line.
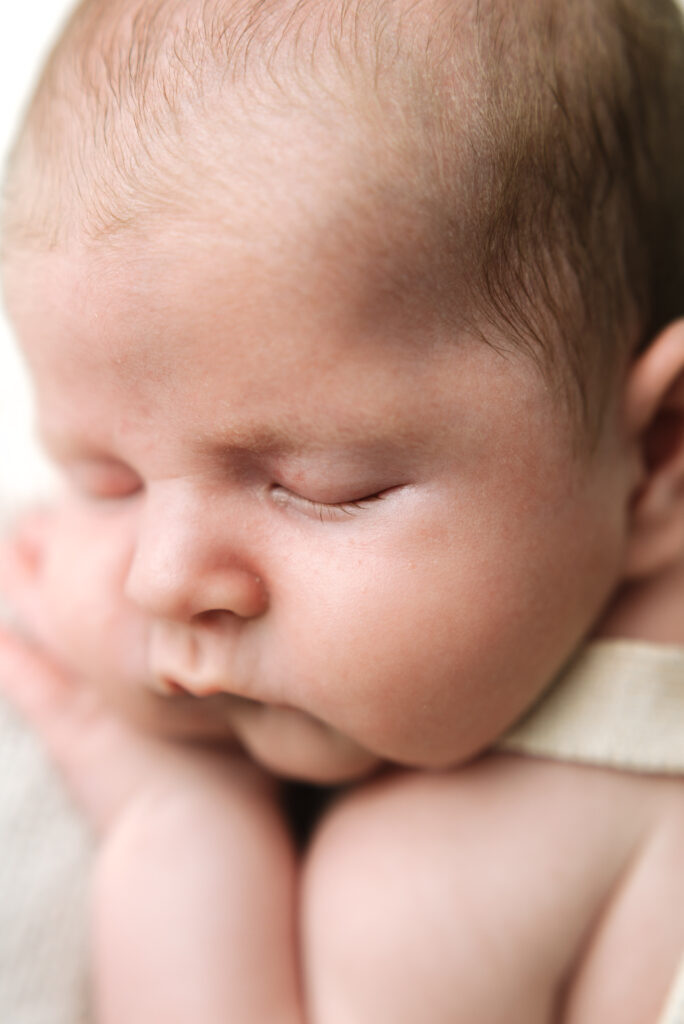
x=36, y=688
x=29, y=529
x=24, y=543
x=20, y=597
x=99, y=757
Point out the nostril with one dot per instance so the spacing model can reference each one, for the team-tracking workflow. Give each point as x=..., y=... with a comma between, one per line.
x=232, y=593
x=215, y=617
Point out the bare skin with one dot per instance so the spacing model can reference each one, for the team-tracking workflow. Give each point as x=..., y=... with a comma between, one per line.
x=509, y=891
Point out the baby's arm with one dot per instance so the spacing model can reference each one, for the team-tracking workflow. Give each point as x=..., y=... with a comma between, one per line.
x=194, y=905
x=193, y=908
x=511, y=891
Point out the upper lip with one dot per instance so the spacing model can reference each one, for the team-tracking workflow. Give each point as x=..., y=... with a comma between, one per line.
x=190, y=661
x=170, y=685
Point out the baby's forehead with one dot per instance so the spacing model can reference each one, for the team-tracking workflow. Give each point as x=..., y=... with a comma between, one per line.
x=304, y=144
x=342, y=267
x=141, y=103
x=108, y=340
x=493, y=144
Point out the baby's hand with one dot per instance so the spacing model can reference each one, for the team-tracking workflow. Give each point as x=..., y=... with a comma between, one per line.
x=22, y=555
x=193, y=909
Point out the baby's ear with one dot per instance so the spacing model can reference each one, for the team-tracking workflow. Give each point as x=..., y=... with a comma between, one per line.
x=654, y=411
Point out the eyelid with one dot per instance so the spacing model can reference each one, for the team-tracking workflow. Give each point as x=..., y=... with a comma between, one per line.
x=103, y=479
x=326, y=511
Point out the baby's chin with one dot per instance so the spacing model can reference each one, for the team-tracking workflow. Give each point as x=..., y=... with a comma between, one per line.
x=293, y=745
x=284, y=741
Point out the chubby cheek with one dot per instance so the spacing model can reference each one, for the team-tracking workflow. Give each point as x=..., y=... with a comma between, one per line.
x=403, y=671
x=434, y=645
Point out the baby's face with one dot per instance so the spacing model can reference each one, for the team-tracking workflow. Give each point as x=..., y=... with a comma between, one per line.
x=300, y=511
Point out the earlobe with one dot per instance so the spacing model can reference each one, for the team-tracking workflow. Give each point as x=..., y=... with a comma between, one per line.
x=654, y=417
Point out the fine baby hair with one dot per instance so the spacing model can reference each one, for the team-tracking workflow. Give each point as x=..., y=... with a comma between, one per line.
x=534, y=149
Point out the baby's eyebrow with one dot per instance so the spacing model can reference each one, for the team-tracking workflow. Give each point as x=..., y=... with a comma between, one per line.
x=370, y=438
x=58, y=444
x=300, y=454
x=65, y=450
x=66, y=444
x=365, y=434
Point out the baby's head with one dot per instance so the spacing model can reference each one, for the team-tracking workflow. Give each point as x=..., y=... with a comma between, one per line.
x=333, y=311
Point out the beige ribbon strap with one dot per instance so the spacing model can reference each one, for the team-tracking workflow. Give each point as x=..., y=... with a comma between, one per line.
x=619, y=703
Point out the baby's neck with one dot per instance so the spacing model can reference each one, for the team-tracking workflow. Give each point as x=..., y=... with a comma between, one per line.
x=651, y=610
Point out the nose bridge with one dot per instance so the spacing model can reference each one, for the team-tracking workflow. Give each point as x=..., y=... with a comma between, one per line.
x=189, y=556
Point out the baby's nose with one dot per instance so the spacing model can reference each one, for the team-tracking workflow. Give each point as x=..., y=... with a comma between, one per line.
x=184, y=567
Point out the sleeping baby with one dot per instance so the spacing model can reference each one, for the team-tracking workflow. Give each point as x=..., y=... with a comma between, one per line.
x=355, y=332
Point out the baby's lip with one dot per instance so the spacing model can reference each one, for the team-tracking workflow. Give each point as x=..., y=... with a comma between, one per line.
x=189, y=661
x=170, y=686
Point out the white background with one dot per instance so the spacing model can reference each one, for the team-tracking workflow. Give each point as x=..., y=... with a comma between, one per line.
x=26, y=29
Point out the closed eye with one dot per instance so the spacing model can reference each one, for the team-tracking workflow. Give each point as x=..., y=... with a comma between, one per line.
x=104, y=480
x=332, y=511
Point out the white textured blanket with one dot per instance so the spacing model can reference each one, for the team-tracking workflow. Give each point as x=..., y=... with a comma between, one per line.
x=44, y=861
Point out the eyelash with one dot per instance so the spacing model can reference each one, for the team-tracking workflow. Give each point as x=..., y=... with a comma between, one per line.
x=328, y=511
x=348, y=508
x=112, y=500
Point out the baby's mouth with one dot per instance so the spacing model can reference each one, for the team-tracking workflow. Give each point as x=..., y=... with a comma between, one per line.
x=167, y=686
x=216, y=695
x=284, y=739
x=192, y=662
